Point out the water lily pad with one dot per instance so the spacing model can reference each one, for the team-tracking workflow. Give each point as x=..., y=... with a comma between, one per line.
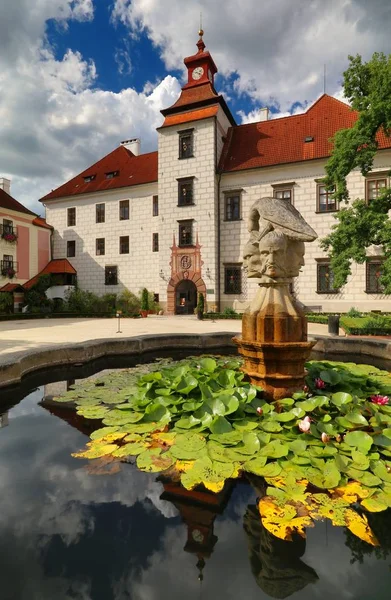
x=131, y=449
x=96, y=450
x=360, y=440
x=274, y=449
x=100, y=433
x=220, y=425
x=230, y=439
x=153, y=461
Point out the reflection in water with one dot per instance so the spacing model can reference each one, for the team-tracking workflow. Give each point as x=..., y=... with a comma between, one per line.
x=131, y=536
x=4, y=421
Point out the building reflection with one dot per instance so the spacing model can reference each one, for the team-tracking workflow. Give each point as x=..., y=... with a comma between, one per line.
x=275, y=564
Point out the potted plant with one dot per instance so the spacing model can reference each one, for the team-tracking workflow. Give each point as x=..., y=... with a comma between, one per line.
x=8, y=272
x=8, y=236
x=200, y=306
x=144, y=302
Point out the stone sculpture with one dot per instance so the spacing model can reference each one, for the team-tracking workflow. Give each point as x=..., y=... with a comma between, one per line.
x=274, y=329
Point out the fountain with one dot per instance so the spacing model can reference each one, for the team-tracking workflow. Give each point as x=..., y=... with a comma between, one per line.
x=274, y=341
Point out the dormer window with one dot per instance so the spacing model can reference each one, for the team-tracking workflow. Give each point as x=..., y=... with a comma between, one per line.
x=111, y=174
x=186, y=143
x=89, y=178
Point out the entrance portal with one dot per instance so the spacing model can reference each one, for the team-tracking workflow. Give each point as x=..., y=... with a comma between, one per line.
x=185, y=297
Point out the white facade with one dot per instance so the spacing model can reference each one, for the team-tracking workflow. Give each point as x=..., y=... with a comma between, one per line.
x=217, y=242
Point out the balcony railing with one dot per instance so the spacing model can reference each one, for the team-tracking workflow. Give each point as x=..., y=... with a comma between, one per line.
x=8, y=233
x=8, y=268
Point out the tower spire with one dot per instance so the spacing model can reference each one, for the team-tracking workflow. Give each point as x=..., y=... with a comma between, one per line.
x=200, y=43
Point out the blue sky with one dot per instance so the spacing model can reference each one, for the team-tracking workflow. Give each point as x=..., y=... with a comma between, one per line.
x=78, y=76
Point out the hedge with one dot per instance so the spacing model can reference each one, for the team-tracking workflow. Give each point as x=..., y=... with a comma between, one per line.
x=215, y=316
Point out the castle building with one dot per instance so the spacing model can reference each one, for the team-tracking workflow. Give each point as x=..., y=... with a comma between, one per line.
x=174, y=220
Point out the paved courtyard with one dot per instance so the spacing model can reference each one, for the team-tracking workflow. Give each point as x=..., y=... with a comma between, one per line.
x=16, y=336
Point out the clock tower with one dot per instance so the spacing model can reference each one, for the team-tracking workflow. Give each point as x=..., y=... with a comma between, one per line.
x=200, y=67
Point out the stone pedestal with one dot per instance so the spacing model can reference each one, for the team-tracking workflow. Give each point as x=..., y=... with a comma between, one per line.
x=274, y=341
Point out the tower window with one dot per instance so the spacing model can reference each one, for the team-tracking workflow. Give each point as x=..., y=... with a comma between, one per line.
x=186, y=142
x=155, y=242
x=185, y=191
x=186, y=233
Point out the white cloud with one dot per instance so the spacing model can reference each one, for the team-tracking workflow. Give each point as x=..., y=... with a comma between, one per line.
x=276, y=48
x=53, y=122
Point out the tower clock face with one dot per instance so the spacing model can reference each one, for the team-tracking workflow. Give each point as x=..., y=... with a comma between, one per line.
x=197, y=73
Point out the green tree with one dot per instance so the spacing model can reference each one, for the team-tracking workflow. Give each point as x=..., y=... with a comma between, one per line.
x=367, y=86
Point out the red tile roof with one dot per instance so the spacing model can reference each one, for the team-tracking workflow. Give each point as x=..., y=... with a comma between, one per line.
x=11, y=287
x=133, y=170
x=281, y=141
x=40, y=222
x=193, y=115
x=57, y=265
x=196, y=93
x=8, y=202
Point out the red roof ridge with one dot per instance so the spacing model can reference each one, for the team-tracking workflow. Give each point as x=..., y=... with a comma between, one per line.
x=8, y=202
x=56, y=265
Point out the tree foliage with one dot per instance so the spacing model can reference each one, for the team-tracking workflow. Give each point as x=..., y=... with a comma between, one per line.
x=367, y=86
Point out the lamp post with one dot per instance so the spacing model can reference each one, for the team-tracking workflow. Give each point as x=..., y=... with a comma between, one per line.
x=118, y=315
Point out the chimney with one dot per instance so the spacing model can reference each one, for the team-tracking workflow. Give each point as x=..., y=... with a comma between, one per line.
x=132, y=145
x=264, y=114
x=5, y=184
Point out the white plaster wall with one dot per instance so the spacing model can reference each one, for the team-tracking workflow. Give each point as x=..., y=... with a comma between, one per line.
x=202, y=168
x=59, y=291
x=139, y=268
x=257, y=183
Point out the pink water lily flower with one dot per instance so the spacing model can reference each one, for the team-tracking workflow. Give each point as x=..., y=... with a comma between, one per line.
x=259, y=410
x=319, y=383
x=305, y=424
x=325, y=438
x=378, y=399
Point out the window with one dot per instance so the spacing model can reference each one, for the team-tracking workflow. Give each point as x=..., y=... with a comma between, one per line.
x=155, y=206
x=155, y=242
x=8, y=226
x=124, y=244
x=325, y=279
x=156, y=298
x=374, y=187
x=284, y=194
x=111, y=174
x=8, y=261
x=71, y=217
x=71, y=248
x=124, y=210
x=111, y=275
x=232, y=206
x=185, y=191
x=232, y=279
x=100, y=213
x=89, y=178
x=186, y=233
x=373, y=273
x=326, y=202
x=186, y=143
x=100, y=246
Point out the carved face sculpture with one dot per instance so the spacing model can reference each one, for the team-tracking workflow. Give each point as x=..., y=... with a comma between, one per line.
x=295, y=256
x=268, y=261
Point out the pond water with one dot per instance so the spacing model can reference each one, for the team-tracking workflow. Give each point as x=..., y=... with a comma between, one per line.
x=68, y=534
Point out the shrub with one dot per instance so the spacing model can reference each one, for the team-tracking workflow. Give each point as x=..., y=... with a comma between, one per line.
x=153, y=305
x=128, y=303
x=144, y=299
x=353, y=312
x=82, y=301
x=6, y=302
x=230, y=312
x=201, y=304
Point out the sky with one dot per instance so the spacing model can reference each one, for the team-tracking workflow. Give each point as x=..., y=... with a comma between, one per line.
x=79, y=76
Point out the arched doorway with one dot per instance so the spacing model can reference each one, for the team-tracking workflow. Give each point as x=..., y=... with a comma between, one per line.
x=185, y=297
